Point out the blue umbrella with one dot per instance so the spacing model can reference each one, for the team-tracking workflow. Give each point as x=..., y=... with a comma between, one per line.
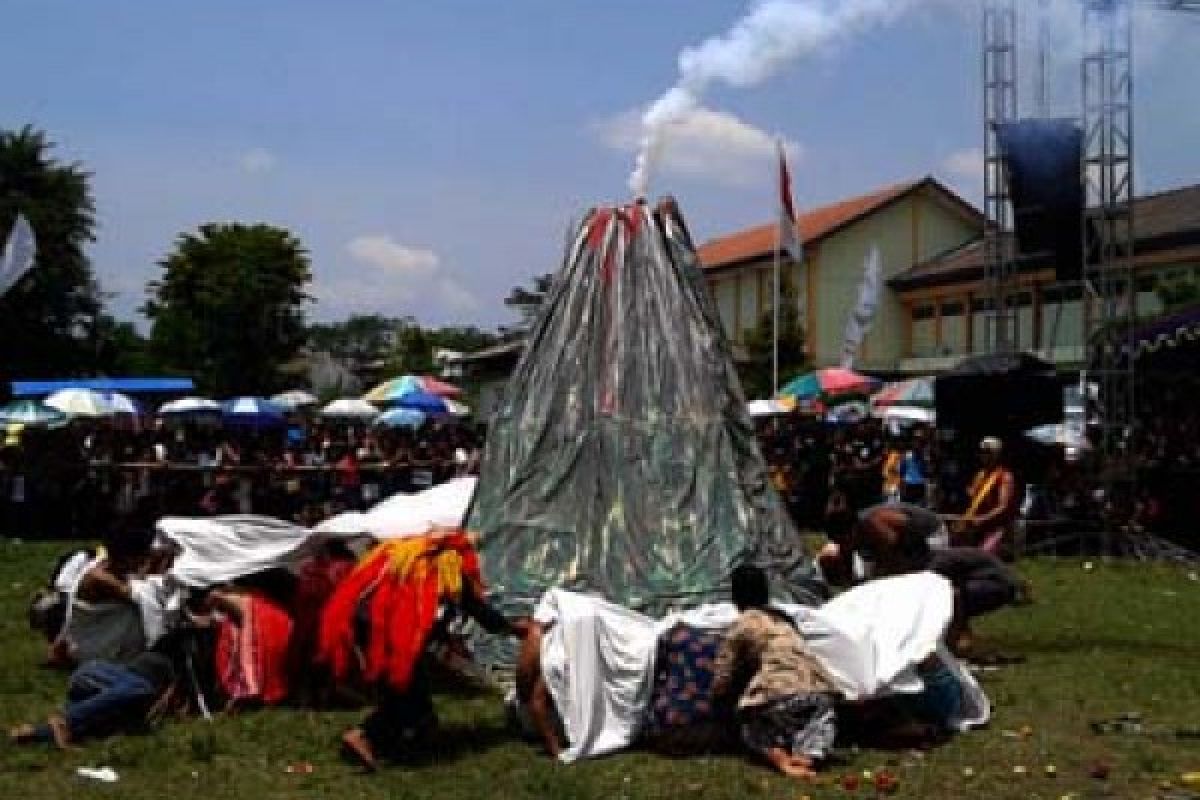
x=253, y=411
x=31, y=412
x=401, y=418
x=423, y=401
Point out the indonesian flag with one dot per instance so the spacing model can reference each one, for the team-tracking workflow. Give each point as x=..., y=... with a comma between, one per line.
x=789, y=237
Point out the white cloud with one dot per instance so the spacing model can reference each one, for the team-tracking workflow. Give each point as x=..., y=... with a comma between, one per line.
x=392, y=278
x=456, y=297
x=706, y=144
x=965, y=165
x=963, y=170
x=257, y=161
x=385, y=253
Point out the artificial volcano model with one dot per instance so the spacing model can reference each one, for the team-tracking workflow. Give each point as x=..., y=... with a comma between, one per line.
x=622, y=459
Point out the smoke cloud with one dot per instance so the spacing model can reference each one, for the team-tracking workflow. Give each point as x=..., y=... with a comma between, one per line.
x=774, y=34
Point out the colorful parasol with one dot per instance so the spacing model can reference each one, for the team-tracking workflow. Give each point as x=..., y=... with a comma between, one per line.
x=914, y=392
x=827, y=384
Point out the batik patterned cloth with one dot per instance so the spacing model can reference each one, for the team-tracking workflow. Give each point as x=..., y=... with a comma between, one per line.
x=683, y=676
x=801, y=724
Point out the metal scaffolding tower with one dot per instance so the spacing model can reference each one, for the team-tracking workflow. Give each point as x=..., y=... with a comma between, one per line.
x=999, y=106
x=1110, y=290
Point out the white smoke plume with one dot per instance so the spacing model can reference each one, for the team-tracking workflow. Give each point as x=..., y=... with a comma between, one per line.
x=774, y=34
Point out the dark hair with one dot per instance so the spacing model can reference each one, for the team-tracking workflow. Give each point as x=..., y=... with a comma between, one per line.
x=749, y=587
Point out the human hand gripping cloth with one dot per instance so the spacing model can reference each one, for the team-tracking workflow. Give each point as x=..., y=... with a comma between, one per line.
x=399, y=585
x=622, y=459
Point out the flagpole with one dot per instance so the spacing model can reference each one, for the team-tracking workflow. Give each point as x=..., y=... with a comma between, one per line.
x=775, y=319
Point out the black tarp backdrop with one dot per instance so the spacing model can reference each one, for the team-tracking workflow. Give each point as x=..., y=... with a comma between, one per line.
x=622, y=459
x=1002, y=395
x=1045, y=184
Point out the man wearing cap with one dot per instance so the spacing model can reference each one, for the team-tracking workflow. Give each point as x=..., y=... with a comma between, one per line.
x=993, y=501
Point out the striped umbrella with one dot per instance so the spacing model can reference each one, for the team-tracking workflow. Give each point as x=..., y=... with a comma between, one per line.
x=422, y=401
x=389, y=391
x=31, y=412
x=829, y=383
x=914, y=392
x=440, y=388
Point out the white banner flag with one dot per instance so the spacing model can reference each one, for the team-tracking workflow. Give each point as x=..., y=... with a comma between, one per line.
x=863, y=314
x=19, y=254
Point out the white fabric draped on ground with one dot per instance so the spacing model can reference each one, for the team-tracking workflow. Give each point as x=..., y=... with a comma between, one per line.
x=598, y=658
x=213, y=550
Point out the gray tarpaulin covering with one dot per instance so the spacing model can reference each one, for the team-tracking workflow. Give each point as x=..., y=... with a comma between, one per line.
x=622, y=459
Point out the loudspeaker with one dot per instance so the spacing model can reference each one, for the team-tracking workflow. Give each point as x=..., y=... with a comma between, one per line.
x=1042, y=159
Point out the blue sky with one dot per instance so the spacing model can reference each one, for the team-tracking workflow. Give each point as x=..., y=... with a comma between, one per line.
x=431, y=154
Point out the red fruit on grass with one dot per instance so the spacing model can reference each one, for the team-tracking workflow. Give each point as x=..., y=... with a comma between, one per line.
x=886, y=782
x=850, y=782
x=1099, y=770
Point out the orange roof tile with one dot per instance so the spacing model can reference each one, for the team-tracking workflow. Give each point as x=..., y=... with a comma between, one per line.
x=813, y=225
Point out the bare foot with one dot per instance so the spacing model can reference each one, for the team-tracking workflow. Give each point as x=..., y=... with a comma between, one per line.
x=355, y=743
x=22, y=734
x=800, y=771
x=793, y=766
x=60, y=732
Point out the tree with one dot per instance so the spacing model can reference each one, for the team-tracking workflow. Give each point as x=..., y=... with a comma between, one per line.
x=229, y=309
x=1178, y=292
x=527, y=303
x=45, y=318
x=359, y=338
x=755, y=373
x=119, y=349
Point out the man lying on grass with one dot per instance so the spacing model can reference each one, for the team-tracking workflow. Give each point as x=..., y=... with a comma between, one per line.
x=105, y=697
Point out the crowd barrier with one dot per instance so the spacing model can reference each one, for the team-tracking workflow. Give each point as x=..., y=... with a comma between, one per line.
x=74, y=504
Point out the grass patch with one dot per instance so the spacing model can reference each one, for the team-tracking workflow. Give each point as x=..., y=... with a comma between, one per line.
x=1098, y=643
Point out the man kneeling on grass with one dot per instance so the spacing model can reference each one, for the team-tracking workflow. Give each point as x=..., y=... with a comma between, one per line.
x=784, y=701
x=104, y=697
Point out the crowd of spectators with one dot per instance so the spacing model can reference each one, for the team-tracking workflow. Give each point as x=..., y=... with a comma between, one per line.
x=68, y=482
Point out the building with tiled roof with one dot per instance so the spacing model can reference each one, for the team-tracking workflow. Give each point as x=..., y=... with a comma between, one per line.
x=946, y=301
x=911, y=223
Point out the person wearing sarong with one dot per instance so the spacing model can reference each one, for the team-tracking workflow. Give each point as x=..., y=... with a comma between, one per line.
x=252, y=650
x=993, y=504
x=379, y=622
x=784, y=702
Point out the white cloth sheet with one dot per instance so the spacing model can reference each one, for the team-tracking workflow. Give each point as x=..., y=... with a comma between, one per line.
x=598, y=658
x=404, y=515
x=213, y=550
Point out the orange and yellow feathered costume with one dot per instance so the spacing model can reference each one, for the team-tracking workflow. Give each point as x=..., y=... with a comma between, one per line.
x=396, y=590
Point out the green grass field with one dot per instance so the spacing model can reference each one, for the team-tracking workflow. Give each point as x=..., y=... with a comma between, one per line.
x=1118, y=638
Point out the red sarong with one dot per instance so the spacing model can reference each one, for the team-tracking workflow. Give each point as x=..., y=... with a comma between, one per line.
x=252, y=656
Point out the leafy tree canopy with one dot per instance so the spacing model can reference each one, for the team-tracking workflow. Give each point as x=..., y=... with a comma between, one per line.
x=229, y=308
x=46, y=318
x=755, y=372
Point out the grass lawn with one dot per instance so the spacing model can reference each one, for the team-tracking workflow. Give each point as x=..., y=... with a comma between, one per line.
x=1098, y=643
